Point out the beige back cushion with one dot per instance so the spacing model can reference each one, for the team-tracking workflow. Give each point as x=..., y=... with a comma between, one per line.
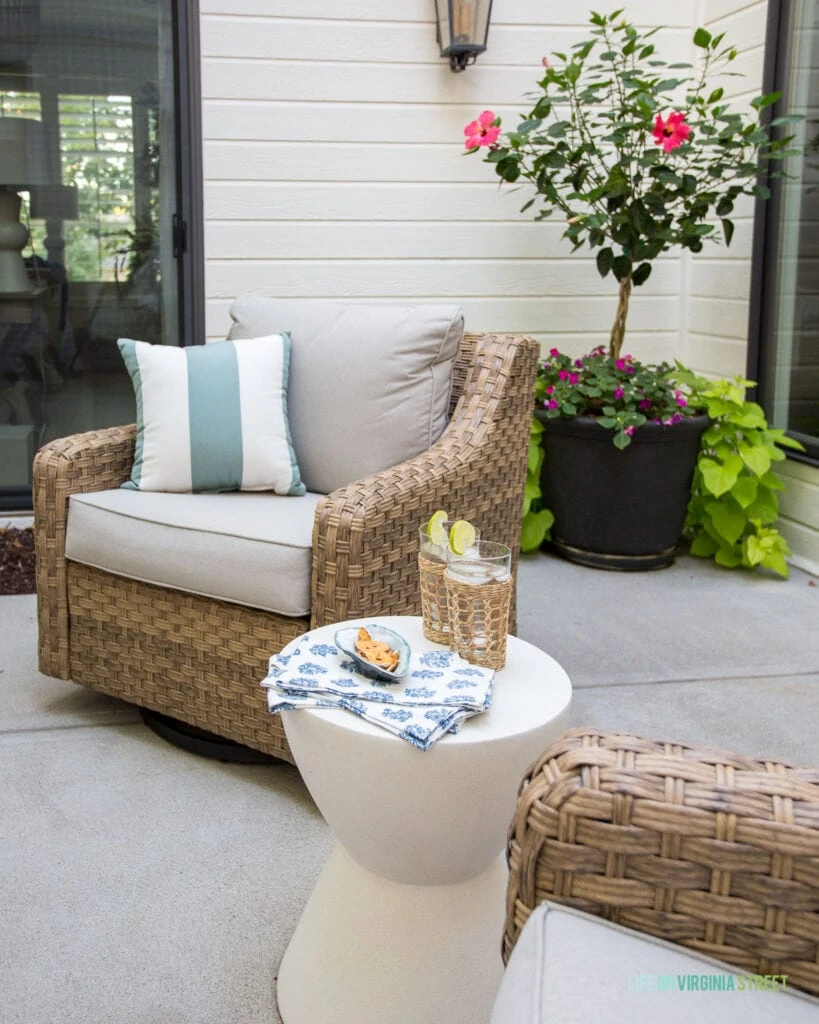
x=369, y=385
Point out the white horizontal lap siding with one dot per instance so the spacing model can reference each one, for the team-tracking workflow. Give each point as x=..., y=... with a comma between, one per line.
x=334, y=167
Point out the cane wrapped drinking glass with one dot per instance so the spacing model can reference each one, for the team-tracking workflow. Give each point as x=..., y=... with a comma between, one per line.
x=479, y=592
x=431, y=568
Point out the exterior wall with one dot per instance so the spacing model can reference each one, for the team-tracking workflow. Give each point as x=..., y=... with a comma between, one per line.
x=334, y=167
x=334, y=171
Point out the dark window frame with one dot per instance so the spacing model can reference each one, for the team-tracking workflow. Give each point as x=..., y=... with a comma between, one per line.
x=190, y=193
x=767, y=213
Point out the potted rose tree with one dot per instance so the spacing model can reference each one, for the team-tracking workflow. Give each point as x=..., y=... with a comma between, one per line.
x=638, y=157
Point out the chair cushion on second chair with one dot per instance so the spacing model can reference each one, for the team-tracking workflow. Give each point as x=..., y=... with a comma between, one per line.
x=250, y=549
x=570, y=967
x=369, y=385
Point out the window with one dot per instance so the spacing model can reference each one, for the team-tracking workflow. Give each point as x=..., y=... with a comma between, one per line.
x=99, y=163
x=785, y=320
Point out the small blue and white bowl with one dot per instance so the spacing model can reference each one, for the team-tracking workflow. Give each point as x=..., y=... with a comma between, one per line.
x=345, y=640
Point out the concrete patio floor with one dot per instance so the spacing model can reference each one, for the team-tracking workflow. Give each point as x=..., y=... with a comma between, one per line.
x=145, y=885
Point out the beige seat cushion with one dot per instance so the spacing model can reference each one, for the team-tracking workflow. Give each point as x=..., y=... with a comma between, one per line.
x=254, y=549
x=573, y=968
x=369, y=385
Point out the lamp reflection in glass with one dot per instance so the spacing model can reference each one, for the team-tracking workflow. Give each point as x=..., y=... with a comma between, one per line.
x=463, y=28
x=23, y=165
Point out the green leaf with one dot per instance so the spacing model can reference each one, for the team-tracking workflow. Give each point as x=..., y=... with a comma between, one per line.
x=753, y=551
x=531, y=490
x=719, y=478
x=744, y=490
x=535, y=458
x=702, y=37
x=728, y=557
x=766, y=101
x=728, y=230
x=776, y=560
x=756, y=458
x=534, y=529
x=641, y=274
x=704, y=546
x=716, y=95
x=605, y=261
x=729, y=523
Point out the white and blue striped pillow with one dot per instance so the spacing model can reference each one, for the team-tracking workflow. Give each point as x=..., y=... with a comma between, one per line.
x=212, y=417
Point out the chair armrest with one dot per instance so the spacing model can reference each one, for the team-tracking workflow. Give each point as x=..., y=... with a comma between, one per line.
x=81, y=463
x=702, y=847
x=365, y=535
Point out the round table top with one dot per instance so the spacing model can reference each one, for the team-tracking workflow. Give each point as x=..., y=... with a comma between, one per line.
x=532, y=689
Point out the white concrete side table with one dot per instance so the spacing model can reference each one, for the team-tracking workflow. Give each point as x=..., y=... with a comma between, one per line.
x=405, y=923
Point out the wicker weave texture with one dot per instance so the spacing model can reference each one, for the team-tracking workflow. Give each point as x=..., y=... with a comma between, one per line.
x=434, y=613
x=701, y=847
x=479, y=620
x=193, y=658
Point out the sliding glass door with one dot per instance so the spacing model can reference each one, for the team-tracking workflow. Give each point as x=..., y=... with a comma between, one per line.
x=787, y=256
x=91, y=229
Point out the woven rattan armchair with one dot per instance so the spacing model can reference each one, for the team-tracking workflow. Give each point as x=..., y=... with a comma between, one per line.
x=200, y=660
x=701, y=847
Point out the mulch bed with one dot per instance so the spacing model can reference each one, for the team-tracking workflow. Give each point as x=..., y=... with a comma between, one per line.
x=16, y=561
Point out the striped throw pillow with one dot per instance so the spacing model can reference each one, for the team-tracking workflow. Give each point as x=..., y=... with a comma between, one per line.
x=212, y=417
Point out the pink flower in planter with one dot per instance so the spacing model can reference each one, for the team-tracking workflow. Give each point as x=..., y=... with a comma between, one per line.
x=618, y=392
x=620, y=364
x=482, y=132
x=574, y=378
x=680, y=398
x=629, y=431
x=671, y=132
x=646, y=403
x=563, y=375
x=546, y=62
x=554, y=352
x=578, y=363
x=551, y=404
x=550, y=390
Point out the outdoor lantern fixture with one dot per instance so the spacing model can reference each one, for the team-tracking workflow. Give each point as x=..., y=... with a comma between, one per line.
x=463, y=26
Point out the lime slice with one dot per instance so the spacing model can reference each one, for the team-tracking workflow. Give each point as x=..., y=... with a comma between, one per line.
x=461, y=536
x=435, y=528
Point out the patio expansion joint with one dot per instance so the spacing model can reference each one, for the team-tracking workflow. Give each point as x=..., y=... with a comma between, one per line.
x=796, y=677
x=71, y=727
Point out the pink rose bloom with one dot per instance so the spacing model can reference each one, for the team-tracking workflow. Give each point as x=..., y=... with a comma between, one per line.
x=630, y=369
x=552, y=404
x=545, y=62
x=671, y=131
x=550, y=390
x=563, y=375
x=645, y=404
x=578, y=363
x=618, y=392
x=620, y=364
x=574, y=378
x=482, y=132
x=554, y=352
x=629, y=431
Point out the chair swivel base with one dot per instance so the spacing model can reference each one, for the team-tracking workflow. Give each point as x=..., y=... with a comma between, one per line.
x=199, y=741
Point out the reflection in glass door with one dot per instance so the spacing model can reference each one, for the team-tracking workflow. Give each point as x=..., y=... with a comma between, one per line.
x=790, y=290
x=88, y=193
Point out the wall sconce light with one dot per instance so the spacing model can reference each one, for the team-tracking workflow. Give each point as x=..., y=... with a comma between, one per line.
x=462, y=26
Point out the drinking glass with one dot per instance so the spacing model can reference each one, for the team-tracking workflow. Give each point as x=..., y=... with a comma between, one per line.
x=479, y=592
x=431, y=568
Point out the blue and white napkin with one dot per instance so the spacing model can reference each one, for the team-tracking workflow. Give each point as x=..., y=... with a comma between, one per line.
x=439, y=691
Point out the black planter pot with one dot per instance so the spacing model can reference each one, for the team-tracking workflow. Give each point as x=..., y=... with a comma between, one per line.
x=618, y=509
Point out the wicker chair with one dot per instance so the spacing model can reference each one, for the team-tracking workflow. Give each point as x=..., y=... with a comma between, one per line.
x=200, y=660
x=701, y=847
